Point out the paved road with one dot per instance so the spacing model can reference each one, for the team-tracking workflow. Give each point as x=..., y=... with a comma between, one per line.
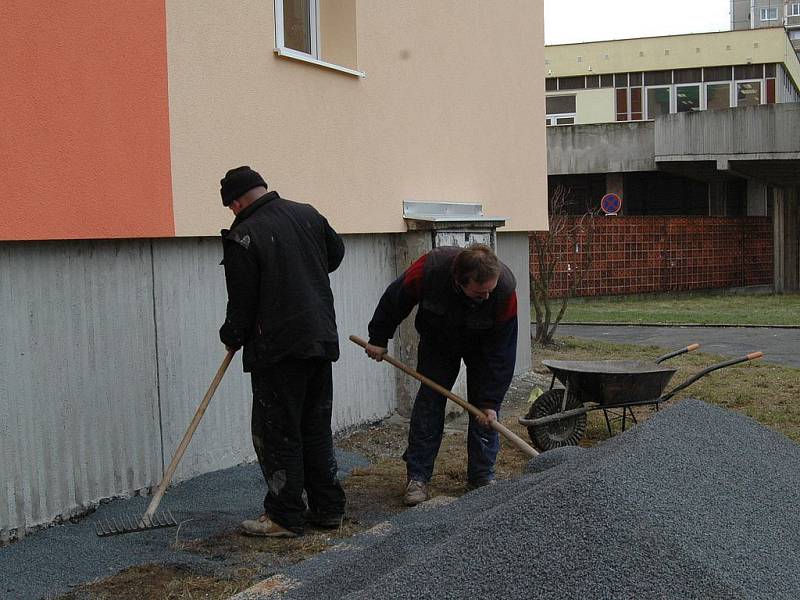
x=779, y=345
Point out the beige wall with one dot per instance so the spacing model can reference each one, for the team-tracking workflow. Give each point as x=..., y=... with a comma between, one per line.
x=672, y=52
x=595, y=106
x=451, y=109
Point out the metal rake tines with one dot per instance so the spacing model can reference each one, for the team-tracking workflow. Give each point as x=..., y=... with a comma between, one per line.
x=129, y=524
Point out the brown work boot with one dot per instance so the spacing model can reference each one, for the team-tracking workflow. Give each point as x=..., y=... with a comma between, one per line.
x=416, y=492
x=265, y=527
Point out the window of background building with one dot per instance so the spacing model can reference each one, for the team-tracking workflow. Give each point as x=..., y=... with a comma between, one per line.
x=717, y=74
x=622, y=104
x=748, y=71
x=572, y=83
x=793, y=9
x=795, y=34
x=551, y=84
x=606, y=81
x=769, y=14
x=748, y=93
x=658, y=102
x=636, y=104
x=718, y=96
x=560, y=110
x=687, y=97
x=318, y=31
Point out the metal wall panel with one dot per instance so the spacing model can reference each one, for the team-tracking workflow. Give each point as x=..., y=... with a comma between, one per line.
x=363, y=390
x=190, y=306
x=513, y=249
x=190, y=300
x=78, y=404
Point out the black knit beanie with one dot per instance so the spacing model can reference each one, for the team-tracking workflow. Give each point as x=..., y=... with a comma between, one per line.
x=237, y=182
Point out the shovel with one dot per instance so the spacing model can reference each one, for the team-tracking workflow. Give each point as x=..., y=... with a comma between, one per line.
x=474, y=411
x=151, y=520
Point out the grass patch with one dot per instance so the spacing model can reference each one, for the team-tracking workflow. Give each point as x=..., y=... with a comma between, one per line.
x=764, y=391
x=701, y=308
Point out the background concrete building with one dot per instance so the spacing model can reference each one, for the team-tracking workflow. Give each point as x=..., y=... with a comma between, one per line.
x=753, y=14
x=119, y=121
x=688, y=130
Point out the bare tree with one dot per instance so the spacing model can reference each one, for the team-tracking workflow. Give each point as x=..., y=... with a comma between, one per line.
x=564, y=251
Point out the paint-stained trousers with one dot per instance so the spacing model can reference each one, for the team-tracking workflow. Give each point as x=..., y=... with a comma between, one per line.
x=291, y=427
x=442, y=364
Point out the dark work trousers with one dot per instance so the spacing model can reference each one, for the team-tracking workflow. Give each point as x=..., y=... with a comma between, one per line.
x=427, y=417
x=291, y=426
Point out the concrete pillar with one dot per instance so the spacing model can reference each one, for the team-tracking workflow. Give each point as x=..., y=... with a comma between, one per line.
x=756, y=199
x=615, y=185
x=778, y=224
x=409, y=246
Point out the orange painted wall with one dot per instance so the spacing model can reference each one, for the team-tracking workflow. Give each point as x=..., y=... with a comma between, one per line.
x=84, y=122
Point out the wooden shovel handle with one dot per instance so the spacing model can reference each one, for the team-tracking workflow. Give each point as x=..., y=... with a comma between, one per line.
x=473, y=410
x=187, y=437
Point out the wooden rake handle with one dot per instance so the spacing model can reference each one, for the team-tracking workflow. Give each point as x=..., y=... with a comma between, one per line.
x=187, y=437
x=496, y=425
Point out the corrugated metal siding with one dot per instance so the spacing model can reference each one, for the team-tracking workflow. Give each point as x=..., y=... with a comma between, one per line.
x=77, y=377
x=106, y=347
x=190, y=299
x=362, y=389
x=512, y=248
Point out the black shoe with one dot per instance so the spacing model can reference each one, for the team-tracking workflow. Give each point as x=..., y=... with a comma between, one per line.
x=324, y=521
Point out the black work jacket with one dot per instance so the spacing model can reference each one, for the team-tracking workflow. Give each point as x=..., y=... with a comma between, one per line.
x=277, y=257
x=486, y=332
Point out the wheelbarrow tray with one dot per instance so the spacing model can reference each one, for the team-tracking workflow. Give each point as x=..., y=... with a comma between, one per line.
x=612, y=382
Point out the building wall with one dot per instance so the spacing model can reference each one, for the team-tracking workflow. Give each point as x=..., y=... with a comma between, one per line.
x=595, y=106
x=669, y=52
x=85, y=146
x=112, y=345
x=146, y=106
x=633, y=255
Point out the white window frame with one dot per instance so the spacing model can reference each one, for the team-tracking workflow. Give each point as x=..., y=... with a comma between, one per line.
x=761, y=90
x=646, y=99
x=552, y=120
x=765, y=12
x=313, y=57
x=731, y=91
x=793, y=9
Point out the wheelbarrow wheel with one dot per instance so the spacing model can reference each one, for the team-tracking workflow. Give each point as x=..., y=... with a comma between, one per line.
x=566, y=432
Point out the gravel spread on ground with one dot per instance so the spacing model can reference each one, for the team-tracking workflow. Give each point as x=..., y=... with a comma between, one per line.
x=54, y=560
x=696, y=502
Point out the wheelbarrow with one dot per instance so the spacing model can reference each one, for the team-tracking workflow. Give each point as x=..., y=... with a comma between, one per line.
x=558, y=417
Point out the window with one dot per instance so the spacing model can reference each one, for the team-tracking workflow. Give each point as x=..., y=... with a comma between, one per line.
x=716, y=73
x=769, y=14
x=658, y=77
x=770, y=91
x=793, y=9
x=560, y=109
x=657, y=102
x=572, y=83
x=688, y=75
x=551, y=84
x=748, y=93
x=606, y=81
x=322, y=32
x=748, y=71
x=687, y=98
x=795, y=34
x=592, y=81
x=557, y=105
x=622, y=104
x=636, y=104
x=718, y=96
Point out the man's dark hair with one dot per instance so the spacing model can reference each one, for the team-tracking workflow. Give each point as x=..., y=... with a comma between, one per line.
x=476, y=263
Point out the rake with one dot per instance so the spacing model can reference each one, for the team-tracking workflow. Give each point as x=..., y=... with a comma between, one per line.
x=151, y=520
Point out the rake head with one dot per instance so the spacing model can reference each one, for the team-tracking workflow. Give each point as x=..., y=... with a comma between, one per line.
x=128, y=524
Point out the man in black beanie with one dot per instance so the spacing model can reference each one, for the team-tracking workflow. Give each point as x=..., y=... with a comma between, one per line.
x=277, y=257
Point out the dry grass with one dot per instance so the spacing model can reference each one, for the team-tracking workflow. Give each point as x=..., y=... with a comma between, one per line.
x=764, y=391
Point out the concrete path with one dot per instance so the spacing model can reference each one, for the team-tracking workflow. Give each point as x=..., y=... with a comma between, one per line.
x=778, y=345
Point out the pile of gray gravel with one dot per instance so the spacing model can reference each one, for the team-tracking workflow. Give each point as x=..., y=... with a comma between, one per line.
x=696, y=502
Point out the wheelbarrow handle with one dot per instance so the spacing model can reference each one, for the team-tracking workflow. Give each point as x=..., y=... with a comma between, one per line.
x=473, y=410
x=704, y=372
x=689, y=348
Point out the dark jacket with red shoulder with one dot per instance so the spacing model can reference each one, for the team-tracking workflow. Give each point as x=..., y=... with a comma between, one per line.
x=277, y=258
x=486, y=331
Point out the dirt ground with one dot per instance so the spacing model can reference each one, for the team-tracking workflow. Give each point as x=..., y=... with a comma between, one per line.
x=373, y=494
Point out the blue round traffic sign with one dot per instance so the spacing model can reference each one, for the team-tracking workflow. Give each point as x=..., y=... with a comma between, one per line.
x=611, y=204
